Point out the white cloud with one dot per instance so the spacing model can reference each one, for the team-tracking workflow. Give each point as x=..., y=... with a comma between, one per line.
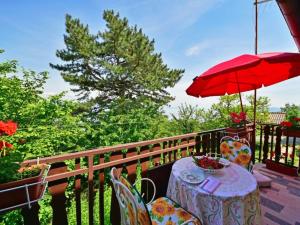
x=173, y=16
x=198, y=48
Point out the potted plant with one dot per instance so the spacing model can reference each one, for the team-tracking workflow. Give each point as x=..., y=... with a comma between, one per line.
x=291, y=127
x=18, y=184
x=237, y=125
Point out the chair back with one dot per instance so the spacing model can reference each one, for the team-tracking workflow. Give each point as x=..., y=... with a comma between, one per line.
x=132, y=208
x=235, y=151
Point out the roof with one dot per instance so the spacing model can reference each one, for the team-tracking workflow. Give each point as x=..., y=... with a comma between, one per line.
x=276, y=117
x=290, y=10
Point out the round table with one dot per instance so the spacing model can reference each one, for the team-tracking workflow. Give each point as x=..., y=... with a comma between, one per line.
x=235, y=201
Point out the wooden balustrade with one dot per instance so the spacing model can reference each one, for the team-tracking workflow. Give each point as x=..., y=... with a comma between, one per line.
x=275, y=146
x=153, y=158
x=91, y=167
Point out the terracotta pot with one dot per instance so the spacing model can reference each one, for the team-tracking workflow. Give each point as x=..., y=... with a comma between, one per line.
x=282, y=168
x=291, y=133
x=18, y=196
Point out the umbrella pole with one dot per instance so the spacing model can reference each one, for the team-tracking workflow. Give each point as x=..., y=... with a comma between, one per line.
x=241, y=102
x=254, y=110
x=240, y=95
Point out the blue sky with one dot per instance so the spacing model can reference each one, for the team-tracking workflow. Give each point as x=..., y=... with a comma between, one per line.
x=191, y=34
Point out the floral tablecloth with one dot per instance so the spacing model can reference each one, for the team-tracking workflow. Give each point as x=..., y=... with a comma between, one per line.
x=235, y=202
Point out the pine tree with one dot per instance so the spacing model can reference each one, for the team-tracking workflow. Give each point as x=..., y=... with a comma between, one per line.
x=117, y=64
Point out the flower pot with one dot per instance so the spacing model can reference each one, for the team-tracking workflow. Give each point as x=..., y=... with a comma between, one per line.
x=291, y=133
x=11, y=198
x=241, y=132
x=282, y=168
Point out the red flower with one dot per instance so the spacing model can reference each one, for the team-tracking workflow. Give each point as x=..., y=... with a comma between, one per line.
x=297, y=119
x=242, y=115
x=236, y=120
x=8, y=128
x=286, y=124
x=2, y=127
x=233, y=115
x=5, y=144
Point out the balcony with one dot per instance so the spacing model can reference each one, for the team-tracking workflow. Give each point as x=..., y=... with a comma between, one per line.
x=90, y=199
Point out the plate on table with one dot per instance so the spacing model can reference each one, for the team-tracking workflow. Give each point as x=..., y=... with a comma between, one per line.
x=225, y=162
x=191, y=176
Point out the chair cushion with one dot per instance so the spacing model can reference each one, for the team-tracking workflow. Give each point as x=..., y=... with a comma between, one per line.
x=262, y=180
x=236, y=152
x=143, y=216
x=164, y=211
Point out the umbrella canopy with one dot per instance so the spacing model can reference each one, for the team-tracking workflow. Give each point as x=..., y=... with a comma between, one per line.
x=245, y=73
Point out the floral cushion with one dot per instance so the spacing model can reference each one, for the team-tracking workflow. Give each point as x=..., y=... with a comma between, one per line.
x=236, y=152
x=143, y=217
x=164, y=211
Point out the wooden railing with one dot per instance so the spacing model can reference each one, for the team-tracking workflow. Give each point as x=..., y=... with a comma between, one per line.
x=89, y=171
x=85, y=173
x=275, y=146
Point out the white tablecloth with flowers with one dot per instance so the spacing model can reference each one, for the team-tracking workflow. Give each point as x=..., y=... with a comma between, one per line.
x=235, y=202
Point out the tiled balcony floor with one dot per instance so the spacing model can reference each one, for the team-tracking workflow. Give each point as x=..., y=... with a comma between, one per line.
x=280, y=203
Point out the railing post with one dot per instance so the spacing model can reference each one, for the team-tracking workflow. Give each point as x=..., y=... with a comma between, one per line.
x=57, y=189
x=156, y=159
x=218, y=143
x=260, y=142
x=253, y=141
x=205, y=144
x=198, y=144
x=183, y=151
x=266, y=143
x=278, y=144
x=91, y=189
x=31, y=216
x=78, y=193
x=213, y=142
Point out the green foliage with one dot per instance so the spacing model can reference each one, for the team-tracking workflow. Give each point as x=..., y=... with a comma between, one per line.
x=9, y=166
x=8, y=66
x=50, y=126
x=194, y=118
x=126, y=122
x=262, y=108
x=220, y=111
x=12, y=218
x=117, y=63
x=291, y=110
x=188, y=119
x=17, y=93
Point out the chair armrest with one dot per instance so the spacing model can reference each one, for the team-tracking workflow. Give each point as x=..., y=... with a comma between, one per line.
x=154, y=189
x=190, y=221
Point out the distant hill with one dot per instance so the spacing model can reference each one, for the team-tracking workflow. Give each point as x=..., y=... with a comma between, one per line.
x=274, y=109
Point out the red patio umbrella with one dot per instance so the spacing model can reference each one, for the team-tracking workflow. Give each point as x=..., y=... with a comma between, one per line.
x=245, y=73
